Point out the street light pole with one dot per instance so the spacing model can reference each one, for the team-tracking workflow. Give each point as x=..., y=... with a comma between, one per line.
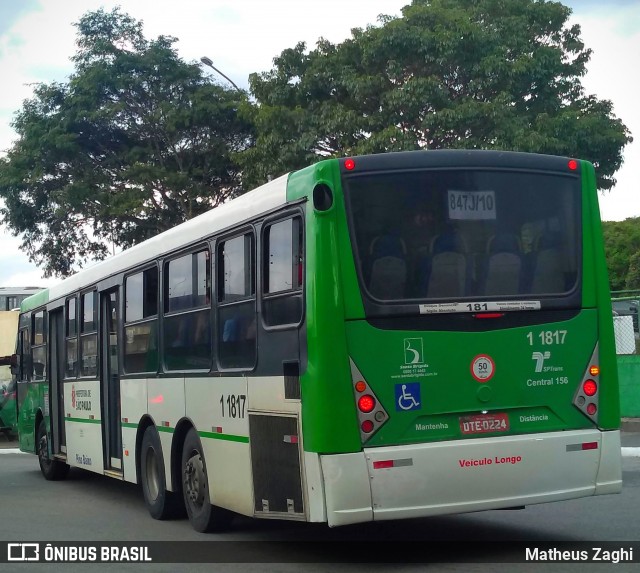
x=208, y=62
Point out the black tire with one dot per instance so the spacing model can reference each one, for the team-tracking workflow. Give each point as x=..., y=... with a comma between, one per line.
x=52, y=469
x=203, y=516
x=161, y=503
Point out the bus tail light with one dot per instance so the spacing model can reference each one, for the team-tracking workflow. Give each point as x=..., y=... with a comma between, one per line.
x=371, y=414
x=590, y=387
x=587, y=395
x=366, y=403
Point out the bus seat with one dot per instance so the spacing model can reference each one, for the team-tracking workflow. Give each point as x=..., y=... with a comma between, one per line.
x=388, y=274
x=503, y=268
x=548, y=272
x=448, y=266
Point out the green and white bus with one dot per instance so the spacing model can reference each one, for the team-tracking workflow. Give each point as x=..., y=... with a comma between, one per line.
x=378, y=337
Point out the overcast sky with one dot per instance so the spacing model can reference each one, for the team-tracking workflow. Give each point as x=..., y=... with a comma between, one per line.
x=242, y=36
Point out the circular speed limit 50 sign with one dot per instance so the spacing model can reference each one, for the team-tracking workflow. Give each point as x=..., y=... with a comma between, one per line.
x=483, y=368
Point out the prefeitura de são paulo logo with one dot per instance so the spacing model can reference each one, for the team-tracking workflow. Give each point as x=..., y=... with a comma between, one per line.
x=73, y=396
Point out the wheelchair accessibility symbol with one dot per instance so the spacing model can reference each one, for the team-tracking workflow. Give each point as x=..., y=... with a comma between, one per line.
x=408, y=396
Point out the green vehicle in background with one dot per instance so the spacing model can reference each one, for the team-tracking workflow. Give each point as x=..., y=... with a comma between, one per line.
x=8, y=418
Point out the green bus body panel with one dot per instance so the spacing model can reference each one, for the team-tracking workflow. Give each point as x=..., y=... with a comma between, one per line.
x=35, y=300
x=329, y=420
x=34, y=401
x=335, y=318
x=534, y=401
x=594, y=258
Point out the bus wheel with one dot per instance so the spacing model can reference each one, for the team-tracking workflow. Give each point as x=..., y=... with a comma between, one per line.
x=51, y=468
x=203, y=516
x=161, y=503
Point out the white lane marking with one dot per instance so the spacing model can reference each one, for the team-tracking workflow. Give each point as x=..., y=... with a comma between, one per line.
x=11, y=451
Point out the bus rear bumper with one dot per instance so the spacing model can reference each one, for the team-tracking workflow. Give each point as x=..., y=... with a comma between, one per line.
x=470, y=475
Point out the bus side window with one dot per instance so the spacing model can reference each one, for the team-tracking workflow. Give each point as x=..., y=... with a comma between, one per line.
x=71, y=345
x=186, y=325
x=141, y=321
x=38, y=346
x=283, y=272
x=24, y=356
x=237, y=304
x=89, y=335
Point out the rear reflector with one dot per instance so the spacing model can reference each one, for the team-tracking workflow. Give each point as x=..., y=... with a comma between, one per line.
x=385, y=464
x=489, y=315
x=582, y=447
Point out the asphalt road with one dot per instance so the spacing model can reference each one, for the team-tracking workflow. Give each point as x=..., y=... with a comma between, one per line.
x=92, y=508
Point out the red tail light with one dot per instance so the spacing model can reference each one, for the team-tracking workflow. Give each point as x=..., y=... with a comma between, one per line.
x=371, y=413
x=367, y=426
x=586, y=397
x=366, y=403
x=589, y=387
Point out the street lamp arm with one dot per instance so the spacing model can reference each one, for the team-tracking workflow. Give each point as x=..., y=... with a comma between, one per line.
x=208, y=62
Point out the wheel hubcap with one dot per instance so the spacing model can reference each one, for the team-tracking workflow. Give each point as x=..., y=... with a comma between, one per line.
x=194, y=480
x=43, y=449
x=153, y=478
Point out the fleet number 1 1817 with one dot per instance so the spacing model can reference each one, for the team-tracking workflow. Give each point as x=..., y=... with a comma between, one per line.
x=548, y=337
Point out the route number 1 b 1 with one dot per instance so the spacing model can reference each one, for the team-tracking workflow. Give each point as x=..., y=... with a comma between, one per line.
x=548, y=337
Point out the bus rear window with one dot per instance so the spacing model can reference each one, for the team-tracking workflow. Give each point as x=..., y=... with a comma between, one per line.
x=454, y=234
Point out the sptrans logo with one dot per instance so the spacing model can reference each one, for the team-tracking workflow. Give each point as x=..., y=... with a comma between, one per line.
x=539, y=358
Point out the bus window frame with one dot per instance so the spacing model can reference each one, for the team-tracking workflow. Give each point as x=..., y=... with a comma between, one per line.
x=82, y=334
x=267, y=223
x=158, y=265
x=397, y=308
x=45, y=323
x=193, y=249
x=220, y=303
x=68, y=338
x=24, y=341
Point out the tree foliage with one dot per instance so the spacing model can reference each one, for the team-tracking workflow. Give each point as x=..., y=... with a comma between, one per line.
x=622, y=249
x=500, y=74
x=134, y=143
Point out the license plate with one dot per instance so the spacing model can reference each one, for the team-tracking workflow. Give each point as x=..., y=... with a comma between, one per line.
x=484, y=424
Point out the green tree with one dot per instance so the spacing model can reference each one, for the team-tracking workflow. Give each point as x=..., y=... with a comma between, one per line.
x=500, y=74
x=134, y=143
x=632, y=281
x=622, y=247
